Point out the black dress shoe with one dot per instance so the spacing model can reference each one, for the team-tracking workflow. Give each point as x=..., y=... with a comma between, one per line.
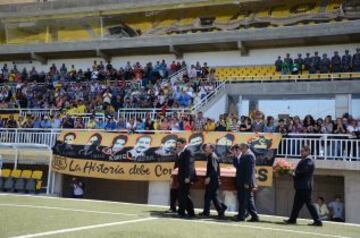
x=203, y=214
x=222, y=212
x=289, y=222
x=254, y=219
x=316, y=223
x=171, y=211
x=237, y=218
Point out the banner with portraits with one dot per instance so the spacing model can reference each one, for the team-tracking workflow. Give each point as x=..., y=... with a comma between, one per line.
x=114, y=155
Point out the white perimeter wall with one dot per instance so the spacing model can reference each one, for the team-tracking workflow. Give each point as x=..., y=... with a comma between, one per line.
x=225, y=58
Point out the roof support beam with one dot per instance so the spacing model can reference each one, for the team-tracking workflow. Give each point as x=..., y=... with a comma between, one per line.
x=102, y=54
x=174, y=50
x=37, y=57
x=244, y=51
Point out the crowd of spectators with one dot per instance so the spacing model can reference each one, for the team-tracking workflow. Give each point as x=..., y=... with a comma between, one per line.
x=255, y=122
x=334, y=211
x=315, y=64
x=104, y=88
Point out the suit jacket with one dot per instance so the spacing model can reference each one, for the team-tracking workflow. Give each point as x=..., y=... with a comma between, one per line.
x=304, y=174
x=186, y=166
x=213, y=169
x=245, y=170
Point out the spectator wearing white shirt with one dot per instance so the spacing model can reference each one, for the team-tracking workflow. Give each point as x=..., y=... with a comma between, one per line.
x=322, y=209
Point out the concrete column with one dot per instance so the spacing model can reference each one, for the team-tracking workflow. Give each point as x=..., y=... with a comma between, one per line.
x=352, y=194
x=58, y=184
x=342, y=104
x=159, y=192
x=233, y=101
x=253, y=104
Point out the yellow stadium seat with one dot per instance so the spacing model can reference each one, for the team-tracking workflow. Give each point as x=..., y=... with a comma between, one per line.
x=38, y=184
x=5, y=173
x=26, y=174
x=15, y=173
x=37, y=174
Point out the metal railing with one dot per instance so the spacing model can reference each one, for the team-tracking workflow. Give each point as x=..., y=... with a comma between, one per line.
x=142, y=113
x=290, y=77
x=323, y=146
x=209, y=97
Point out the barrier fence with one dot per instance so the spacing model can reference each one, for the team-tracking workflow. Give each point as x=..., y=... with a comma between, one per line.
x=323, y=146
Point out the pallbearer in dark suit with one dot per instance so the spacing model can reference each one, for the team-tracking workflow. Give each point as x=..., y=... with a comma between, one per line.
x=186, y=176
x=245, y=180
x=303, y=177
x=212, y=182
x=174, y=191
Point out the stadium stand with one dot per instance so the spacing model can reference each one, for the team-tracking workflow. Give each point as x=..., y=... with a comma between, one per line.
x=196, y=20
x=16, y=180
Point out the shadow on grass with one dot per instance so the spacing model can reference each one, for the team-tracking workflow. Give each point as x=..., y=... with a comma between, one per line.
x=214, y=218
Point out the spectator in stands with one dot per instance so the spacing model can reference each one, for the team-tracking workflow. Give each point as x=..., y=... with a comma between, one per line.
x=339, y=126
x=319, y=126
x=297, y=126
x=281, y=127
x=316, y=60
x=356, y=61
x=328, y=125
x=353, y=127
x=79, y=124
x=346, y=62
x=45, y=123
x=111, y=124
x=309, y=124
x=257, y=125
x=287, y=65
x=245, y=125
x=337, y=209
x=68, y=122
x=200, y=121
x=270, y=125
x=324, y=64
x=11, y=122
x=55, y=121
x=307, y=61
x=221, y=124
x=278, y=64
x=300, y=63
x=210, y=125
x=336, y=63
x=322, y=209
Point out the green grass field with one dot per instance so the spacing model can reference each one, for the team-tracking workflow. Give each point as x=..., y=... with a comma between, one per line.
x=32, y=216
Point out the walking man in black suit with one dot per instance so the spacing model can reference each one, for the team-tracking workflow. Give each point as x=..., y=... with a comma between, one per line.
x=186, y=175
x=212, y=182
x=174, y=191
x=303, y=176
x=245, y=180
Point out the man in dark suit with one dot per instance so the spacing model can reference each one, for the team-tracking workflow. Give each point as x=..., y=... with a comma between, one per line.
x=174, y=191
x=186, y=176
x=245, y=180
x=303, y=176
x=212, y=182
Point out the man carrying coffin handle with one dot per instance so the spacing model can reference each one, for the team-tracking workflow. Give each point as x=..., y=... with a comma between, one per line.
x=245, y=180
x=303, y=176
x=186, y=175
x=212, y=182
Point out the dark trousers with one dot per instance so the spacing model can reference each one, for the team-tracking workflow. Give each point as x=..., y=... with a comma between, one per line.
x=173, y=198
x=303, y=197
x=185, y=202
x=246, y=202
x=211, y=194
